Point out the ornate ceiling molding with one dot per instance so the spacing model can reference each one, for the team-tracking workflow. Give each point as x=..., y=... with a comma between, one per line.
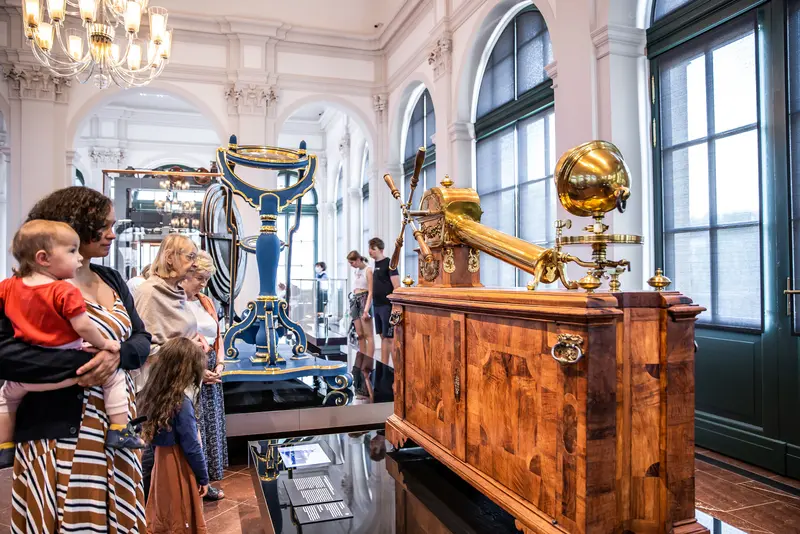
x=107, y=156
x=251, y=99
x=36, y=82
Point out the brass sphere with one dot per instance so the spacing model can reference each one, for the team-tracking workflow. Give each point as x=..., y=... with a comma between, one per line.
x=592, y=179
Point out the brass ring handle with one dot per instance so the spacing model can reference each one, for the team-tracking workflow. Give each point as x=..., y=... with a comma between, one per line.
x=567, y=350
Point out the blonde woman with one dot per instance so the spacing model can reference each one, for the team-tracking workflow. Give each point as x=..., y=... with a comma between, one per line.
x=211, y=408
x=161, y=303
x=361, y=302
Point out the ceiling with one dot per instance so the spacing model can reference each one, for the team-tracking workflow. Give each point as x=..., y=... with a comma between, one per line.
x=344, y=16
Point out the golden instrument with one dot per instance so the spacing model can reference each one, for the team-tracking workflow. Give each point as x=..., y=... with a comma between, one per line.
x=591, y=180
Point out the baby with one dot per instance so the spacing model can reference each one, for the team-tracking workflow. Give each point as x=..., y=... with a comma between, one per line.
x=47, y=310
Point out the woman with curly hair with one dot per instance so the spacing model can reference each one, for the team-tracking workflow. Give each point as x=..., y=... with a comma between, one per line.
x=60, y=433
x=180, y=476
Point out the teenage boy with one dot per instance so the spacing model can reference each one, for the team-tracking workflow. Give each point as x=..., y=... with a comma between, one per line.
x=384, y=281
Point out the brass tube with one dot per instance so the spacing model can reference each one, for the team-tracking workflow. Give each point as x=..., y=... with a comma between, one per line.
x=504, y=247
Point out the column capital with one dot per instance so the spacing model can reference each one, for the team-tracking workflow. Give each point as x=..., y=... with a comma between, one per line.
x=552, y=72
x=462, y=131
x=379, y=104
x=36, y=82
x=101, y=156
x=440, y=55
x=251, y=99
x=344, y=146
x=619, y=40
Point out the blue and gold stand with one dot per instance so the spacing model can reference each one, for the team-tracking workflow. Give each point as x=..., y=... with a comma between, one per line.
x=259, y=355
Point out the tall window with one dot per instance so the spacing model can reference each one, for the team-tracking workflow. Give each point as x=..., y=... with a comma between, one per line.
x=341, y=253
x=515, y=130
x=365, y=222
x=420, y=132
x=304, y=243
x=710, y=172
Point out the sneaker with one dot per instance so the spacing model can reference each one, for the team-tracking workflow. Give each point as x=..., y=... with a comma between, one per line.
x=124, y=439
x=7, y=457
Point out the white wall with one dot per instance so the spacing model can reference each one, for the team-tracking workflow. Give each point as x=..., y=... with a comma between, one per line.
x=249, y=77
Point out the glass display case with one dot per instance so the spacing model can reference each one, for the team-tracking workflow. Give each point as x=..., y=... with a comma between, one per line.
x=320, y=307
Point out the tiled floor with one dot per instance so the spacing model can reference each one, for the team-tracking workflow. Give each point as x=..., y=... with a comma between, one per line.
x=735, y=499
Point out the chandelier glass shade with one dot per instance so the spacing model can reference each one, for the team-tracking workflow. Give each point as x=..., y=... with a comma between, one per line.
x=99, y=39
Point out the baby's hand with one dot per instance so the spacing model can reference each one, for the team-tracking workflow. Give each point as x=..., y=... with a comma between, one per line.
x=111, y=346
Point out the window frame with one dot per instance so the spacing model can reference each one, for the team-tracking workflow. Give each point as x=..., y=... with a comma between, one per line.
x=771, y=24
x=408, y=163
x=538, y=100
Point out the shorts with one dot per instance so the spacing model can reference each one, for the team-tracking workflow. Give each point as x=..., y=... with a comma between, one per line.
x=358, y=303
x=382, y=326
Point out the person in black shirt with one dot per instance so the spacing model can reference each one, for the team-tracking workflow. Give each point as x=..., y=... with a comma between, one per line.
x=384, y=281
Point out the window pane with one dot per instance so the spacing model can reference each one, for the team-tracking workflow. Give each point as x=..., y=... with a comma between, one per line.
x=737, y=182
x=496, y=214
x=534, y=50
x=497, y=85
x=683, y=102
x=685, y=176
x=688, y=264
x=737, y=262
x=532, y=152
x=735, y=99
x=537, y=209
x=430, y=120
x=495, y=161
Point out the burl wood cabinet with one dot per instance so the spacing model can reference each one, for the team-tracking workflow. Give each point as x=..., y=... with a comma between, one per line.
x=603, y=445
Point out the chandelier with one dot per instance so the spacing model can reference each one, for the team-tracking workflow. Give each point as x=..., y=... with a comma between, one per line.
x=95, y=48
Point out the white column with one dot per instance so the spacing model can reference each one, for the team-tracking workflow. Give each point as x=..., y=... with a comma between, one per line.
x=70, y=162
x=623, y=108
x=38, y=129
x=462, y=143
x=347, y=200
x=440, y=60
x=5, y=163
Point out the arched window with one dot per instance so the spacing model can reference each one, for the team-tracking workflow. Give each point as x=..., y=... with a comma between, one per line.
x=365, y=222
x=304, y=244
x=515, y=131
x=341, y=253
x=78, y=179
x=421, y=129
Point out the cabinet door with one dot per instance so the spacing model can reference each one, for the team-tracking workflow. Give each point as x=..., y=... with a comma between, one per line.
x=433, y=375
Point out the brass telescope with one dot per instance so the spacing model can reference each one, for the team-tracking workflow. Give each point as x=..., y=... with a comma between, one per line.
x=591, y=180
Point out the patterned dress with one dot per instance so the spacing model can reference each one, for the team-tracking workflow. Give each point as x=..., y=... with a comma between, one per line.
x=76, y=484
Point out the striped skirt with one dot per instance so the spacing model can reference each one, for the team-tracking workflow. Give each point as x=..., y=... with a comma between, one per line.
x=77, y=485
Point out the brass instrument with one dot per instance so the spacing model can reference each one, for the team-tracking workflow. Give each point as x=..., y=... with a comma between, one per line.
x=591, y=179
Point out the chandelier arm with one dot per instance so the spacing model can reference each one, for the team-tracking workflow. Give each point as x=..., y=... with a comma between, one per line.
x=71, y=61
x=58, y=67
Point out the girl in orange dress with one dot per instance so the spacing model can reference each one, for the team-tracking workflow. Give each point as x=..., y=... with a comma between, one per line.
x=180, y=477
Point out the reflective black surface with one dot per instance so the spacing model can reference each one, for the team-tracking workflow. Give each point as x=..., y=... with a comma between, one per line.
x=402, y=492
x=399, y=491
x=250, y=397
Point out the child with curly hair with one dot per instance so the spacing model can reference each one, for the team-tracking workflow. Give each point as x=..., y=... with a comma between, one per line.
x=180, y=477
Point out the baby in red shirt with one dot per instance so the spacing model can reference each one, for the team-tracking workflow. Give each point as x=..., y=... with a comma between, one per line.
x=47, y=310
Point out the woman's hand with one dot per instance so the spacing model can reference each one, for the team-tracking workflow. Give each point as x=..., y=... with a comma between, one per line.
x=99, y=369
x=210, y=377
x=365, y=315
x=203, y=490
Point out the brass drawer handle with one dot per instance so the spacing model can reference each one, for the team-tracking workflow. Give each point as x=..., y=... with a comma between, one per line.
x=568, y=349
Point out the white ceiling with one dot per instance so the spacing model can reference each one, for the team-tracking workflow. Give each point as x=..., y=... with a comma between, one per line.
x=344, y=16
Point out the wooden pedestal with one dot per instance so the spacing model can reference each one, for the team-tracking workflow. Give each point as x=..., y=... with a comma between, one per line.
x=605, y=445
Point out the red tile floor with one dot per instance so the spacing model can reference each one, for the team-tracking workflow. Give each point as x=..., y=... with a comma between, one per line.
x=737, y=500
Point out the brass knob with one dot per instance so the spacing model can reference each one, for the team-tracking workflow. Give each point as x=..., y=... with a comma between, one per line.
x=447, y=182
x=408, y=281
x=659, y=282
x=531, y=286
x=589, y=282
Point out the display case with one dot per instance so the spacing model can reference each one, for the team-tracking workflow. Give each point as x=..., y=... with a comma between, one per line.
x=320, y=307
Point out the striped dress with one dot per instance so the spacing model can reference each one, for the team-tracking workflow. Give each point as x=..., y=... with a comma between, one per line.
x=76, y=484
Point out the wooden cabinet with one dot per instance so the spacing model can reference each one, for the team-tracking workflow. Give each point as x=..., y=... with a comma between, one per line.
x=602, y=445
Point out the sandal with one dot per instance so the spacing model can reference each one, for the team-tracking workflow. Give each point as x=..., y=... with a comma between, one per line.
x=214, y=494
